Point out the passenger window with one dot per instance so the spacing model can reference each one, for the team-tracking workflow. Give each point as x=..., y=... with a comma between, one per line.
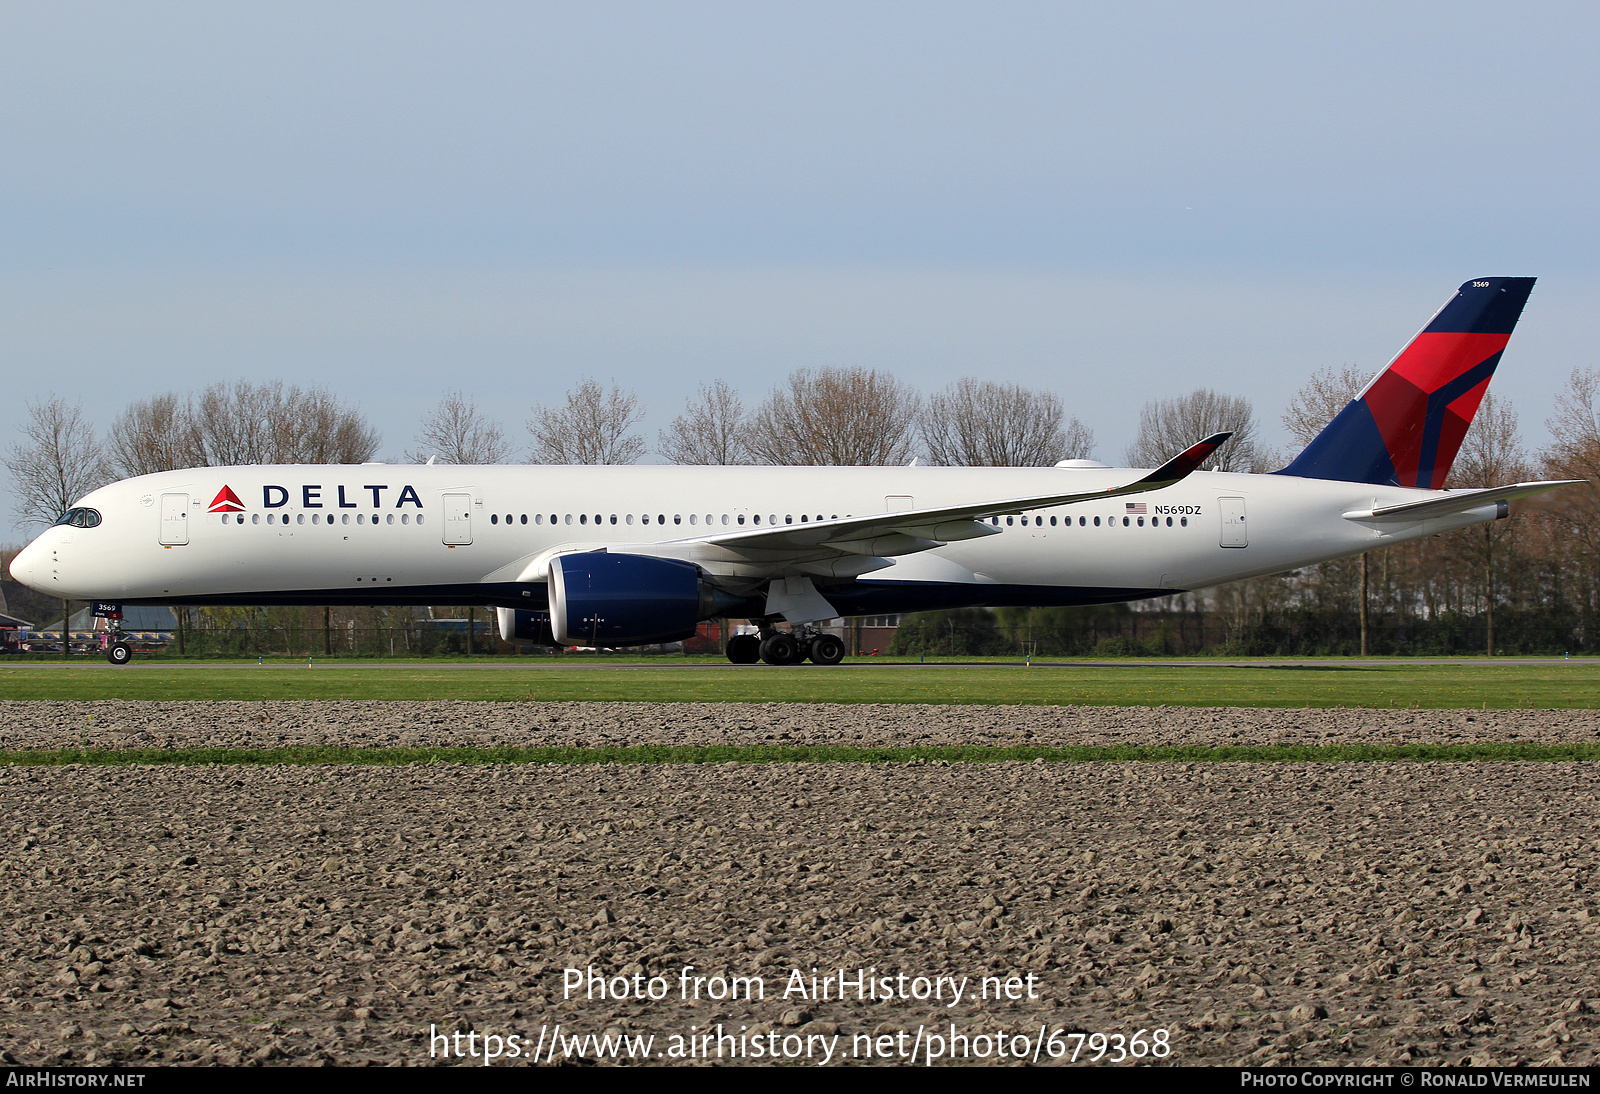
x=694, y=518
x=613, y=519
x=1085, y=520
x=741, y=519
x=630, y=518
x=1141, y=522
x=405, y=518
x=1184, y=521
x=1097, y=522
x=494, y=518
x=724, y=518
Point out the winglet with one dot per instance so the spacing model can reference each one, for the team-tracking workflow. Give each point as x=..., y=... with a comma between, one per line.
x=1178, y=468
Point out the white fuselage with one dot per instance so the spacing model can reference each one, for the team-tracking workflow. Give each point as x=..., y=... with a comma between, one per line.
x=445, y=534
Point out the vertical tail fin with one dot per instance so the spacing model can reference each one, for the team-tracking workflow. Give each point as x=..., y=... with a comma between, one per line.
x=1406, y=426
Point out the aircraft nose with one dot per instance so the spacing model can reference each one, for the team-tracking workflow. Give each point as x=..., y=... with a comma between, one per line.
x=22, y=565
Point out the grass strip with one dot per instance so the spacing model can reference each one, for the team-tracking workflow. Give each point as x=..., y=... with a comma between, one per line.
x=763, y=754
x=1458, y=686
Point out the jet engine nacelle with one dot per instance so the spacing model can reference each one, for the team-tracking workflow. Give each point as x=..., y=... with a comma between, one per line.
x=517, y=625
x=603, y=599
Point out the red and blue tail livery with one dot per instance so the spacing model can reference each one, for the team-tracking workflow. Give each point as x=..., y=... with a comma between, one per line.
x=1406, y=426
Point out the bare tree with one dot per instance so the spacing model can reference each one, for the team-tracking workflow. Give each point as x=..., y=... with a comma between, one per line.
x=243, y=423
x=592, y=428
x=456, y=432
x=57, y=461
x=710, y=431
x=1168, y=426
x=1316, y=404
x=317, y=428
x=979, y=423
x=851, y=417
x=1321, y=399
x=155, y=434
x=1575, y=429
x=1491, y=455
x=231, y=424
x=1574, y=453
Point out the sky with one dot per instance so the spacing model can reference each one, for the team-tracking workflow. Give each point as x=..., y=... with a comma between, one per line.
x=1111, y=202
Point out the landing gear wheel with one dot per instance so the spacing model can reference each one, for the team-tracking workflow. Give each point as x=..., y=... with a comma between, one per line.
x=744, y=649
x=826, y=649
x=780, y=649
x=119, y=654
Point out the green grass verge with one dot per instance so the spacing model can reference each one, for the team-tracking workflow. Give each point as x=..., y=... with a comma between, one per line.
x=1472, y=685
x=764, y=754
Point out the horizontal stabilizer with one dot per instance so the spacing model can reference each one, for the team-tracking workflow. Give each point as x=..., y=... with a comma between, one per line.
x=1456, y=501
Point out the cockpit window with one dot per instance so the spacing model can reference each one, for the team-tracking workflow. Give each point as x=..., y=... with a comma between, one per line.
x=80, y=518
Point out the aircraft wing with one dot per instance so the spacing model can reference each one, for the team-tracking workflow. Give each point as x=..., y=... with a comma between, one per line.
x=912, y=530
x=1456, y=501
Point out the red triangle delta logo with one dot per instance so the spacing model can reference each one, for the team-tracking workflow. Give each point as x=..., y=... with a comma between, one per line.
x=226, y=501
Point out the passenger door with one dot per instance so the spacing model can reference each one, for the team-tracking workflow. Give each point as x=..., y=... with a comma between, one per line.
x=457, y=519
x=174, y=519
x=1234, y=533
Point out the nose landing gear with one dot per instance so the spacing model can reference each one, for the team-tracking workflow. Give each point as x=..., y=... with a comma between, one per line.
x=118, y=650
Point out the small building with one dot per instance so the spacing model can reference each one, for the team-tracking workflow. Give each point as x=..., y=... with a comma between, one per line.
x=12, y=631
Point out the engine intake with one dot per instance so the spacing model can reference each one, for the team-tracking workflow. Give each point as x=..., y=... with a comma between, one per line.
x=603, y=599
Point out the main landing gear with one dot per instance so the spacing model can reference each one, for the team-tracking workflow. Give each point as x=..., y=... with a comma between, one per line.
x=777, y=647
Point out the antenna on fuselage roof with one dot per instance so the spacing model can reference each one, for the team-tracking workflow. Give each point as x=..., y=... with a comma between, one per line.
x=431, y=460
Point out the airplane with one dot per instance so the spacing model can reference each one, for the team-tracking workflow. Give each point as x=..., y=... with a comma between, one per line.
x=613, y=556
